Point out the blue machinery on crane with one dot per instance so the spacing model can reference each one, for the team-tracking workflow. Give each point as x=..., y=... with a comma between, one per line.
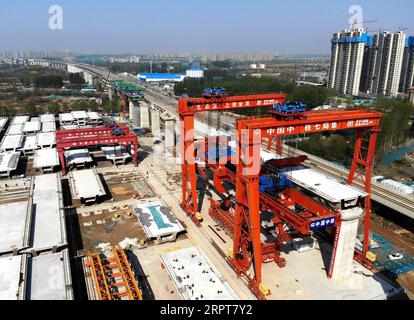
x=214, y=93
x=289, y=110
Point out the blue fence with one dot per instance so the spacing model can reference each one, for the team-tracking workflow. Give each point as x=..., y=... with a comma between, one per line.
x=398, y=267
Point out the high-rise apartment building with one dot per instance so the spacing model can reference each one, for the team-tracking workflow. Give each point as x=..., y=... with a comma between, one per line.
x=407, y=71
x=385, y=62
x=377, y=64
x=347, y=56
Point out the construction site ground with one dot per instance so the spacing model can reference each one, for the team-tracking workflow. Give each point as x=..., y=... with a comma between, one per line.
x=105, y=225
x=158, y=176
x=153, y=272
x=291, y=283
x=407, y=279
x=286, y=283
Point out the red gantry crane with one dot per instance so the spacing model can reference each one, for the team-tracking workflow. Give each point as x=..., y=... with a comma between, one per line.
x=245, y=223
x=247, y=184
x=105, y=136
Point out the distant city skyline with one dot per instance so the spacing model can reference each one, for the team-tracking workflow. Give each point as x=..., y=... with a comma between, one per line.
x=111, y=27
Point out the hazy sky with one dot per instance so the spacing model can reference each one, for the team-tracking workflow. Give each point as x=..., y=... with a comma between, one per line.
x=288, y=26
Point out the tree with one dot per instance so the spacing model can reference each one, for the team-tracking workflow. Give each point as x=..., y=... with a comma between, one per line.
x=36, y=92
x=395, y=125
x=53, y=108
x=311, y=95
x=30, y=108
x=76, y=78
x=6, y=111
x=48, y=81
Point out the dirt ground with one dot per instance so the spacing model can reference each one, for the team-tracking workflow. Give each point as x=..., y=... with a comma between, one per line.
x=406, y=280
x=124, y=191
x=111, y=231
x=133, y=186
x=396, y=238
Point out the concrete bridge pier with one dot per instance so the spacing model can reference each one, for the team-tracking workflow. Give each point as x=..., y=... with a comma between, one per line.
x=155, y=123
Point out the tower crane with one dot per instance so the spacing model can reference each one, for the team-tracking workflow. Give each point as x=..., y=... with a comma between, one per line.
x=355, y=22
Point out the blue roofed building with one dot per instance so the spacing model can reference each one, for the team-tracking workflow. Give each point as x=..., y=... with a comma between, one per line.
x=151, y=77
x=177, y=77
x=195, y=73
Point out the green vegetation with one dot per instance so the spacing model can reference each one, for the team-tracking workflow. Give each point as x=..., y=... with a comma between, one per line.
x=35, y=77
x=395, y=130
x=135, y=68
x=312, y=96
x=36, y=90
x=76, y=78
x=47, y=81
x=395, y=127
x=112, y=106
x=6, y=111
x=331, y=147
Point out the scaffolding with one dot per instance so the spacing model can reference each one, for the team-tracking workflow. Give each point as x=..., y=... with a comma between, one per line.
x=113, y=277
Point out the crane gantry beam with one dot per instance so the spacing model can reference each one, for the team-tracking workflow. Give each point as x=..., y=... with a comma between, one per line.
x=193, y=105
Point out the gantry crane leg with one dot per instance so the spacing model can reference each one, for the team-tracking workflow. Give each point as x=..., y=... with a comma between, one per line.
x=62, y=160
x=248, y=213
x=189, y=176
x=362, y=164
x=278, y=140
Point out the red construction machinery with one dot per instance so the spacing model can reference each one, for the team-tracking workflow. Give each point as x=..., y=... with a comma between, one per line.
x=264, y=187
x=98, y=136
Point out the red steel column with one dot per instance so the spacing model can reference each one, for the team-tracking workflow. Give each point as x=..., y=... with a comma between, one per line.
x=247, y=201
x=62, y=160
x=368, y=174
x=254, y=214
x=189, y=176
x=356, y=157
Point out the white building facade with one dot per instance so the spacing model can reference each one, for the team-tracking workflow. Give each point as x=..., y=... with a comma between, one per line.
x=346, y=60
x=376, y=64
x=387, y=63
x=407, y=72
